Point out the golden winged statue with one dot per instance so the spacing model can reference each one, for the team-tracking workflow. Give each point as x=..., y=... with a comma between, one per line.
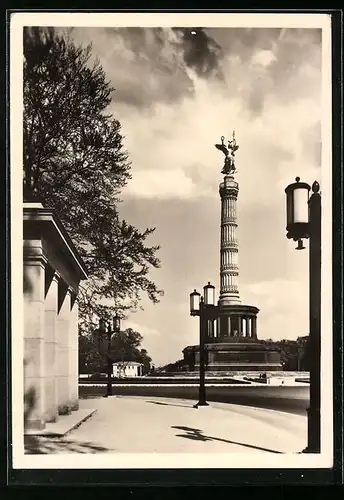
x=229, y=152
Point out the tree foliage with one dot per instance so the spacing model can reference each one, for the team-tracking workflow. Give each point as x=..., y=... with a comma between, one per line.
x=125, y=346
x=75, y=163
x=177, y=366
x=294, y=353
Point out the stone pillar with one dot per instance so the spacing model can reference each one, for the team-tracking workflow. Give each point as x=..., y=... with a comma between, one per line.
x=74, y=354
x=34, y=355
x=51, y=355
x=248, y=333
x=229, y=326
x=218, y=331
x=210, y=328
x=239, y=326
x=63, y=318
x=254, y=327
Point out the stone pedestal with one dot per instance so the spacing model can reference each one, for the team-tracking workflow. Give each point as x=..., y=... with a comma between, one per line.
x=233, y=355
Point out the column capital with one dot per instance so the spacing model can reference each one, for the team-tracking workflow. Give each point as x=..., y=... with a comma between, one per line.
x=51, y=276
x=35, y=260
x=56, y=276
x=73, y=297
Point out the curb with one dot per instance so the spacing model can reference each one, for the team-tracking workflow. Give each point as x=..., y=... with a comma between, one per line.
x=61, y=433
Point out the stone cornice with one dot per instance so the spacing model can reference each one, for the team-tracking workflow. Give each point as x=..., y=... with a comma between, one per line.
x=46, y=222
x=238, y=309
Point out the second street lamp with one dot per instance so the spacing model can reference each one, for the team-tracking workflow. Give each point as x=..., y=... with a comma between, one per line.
x=205, y=308
x=116, y=325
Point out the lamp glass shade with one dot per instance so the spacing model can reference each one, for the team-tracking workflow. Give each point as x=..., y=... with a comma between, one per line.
x=209, y=294
x=116, y=323
x=290, y=208
x=301, y=196
x=195, y=299
x=297, y=209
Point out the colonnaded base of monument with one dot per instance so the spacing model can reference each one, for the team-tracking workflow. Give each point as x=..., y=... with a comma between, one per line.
x=234, y=356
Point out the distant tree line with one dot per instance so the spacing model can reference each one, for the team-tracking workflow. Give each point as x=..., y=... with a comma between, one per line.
x=294, y=353
x=177, y=366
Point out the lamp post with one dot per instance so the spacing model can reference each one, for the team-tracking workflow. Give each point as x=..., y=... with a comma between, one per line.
x=304, y=222
x=110, y=331
x=205, y=308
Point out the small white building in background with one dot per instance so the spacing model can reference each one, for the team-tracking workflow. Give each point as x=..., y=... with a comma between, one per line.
x=124, y=369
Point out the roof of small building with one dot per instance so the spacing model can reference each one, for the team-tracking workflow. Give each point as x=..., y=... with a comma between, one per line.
x=127, y=363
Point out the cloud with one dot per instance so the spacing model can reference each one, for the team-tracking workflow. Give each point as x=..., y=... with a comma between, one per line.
x=174, y=155
x=176, y=95
x=263, y=58
x=200, y=51
x=144, y=65
x=276, y=298
x=155, y=184
x=142, y=329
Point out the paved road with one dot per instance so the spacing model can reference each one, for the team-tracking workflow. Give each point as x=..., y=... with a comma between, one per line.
x=292, y=399
x=165, y=426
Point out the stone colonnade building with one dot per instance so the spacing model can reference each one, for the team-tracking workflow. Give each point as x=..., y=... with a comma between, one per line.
x=52, y=273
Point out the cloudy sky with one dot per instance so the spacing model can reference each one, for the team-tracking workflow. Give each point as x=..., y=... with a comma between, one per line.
x=177, y=91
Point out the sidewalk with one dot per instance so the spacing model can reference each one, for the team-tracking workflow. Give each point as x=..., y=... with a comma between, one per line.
x=133, y=424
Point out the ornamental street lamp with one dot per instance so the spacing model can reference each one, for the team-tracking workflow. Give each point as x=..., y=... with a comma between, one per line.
x=205, y=308
x=304, y=221
x=110, y=331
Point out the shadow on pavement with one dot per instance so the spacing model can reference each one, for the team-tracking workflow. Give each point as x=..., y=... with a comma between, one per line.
x=36, y=445
x=168, y=404
x=197, y=434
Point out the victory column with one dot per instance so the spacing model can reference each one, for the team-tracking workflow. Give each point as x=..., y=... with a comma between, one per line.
x=232, y=343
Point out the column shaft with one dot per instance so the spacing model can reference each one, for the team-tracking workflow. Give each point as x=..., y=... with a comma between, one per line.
x=74, y=357
x=229, y=293
x=34, y=355
x=248, y=333
x=50, y=327
x=239, y=326
x=63, y=319
x=254, y=327
x=218, y=331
